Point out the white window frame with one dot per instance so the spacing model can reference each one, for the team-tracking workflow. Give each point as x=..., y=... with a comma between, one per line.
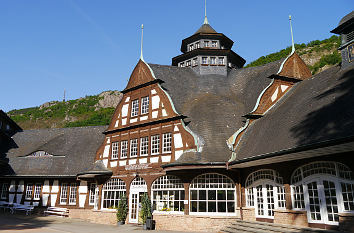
x=188, y=63
x=115, y=150
x=144, y=146
x=73, y=194
x=29, y=191
x=212, y=60
x=112, y=190
x=4, y=190
x=216, y=182
x=124, y=149
x=167, y=143
x=195, y=61
x=145, y=105
x=221, y=60
x=155, y=144
x=37, y=191
x=206, y=44
x=197, y=45
x=214, y=44
x=205, y=60
x=133, y=147
x=135, y=108
x=63, y=194
x=92, y=194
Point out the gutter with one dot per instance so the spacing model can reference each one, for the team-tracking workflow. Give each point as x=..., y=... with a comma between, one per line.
x=194, y=164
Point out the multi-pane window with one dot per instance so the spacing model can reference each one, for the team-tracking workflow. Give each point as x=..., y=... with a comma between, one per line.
x=155, y=144
x=281, y=196
x=37, y=192
x=221, y=60
x=191, y=47
x=4, y=191
x=181, y=64
x=115, y=149
x=206, y=43
x=298, y=195
x=212, y=60
x=134, y=147
x=212, y=193
x=135, y=108
x=168, y=194
x=167, y=142
x=145, y=105
x=29, y=191
x=112, y=191
x=195, y=61
x=144, y=146
x=214, y=44
x=204, y=60
x=92, y=194
x=124, y=149
x=188, y=63
x=197, y=45
x=72, y=195
x=250, y=197
x=348, y=196
x=64, y=193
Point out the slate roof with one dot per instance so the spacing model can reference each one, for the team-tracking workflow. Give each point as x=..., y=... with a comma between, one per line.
x=315, y=110
x=73, y=150
x=213, y=104
x=205, y=28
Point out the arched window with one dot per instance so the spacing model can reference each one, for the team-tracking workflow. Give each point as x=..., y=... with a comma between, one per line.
x=323, y=189
x=168, y=194
x=112, y=191
x=212, y=194
x=265, y=192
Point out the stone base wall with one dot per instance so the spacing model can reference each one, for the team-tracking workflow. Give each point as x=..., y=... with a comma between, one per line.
x=101, y=217
x=346, y=222
x=291, y=217
x=191, y=223
x=248, y=214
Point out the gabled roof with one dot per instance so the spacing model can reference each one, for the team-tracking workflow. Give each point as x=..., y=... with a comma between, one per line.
x=213, y=104
x=73, y=150
x=314, y=111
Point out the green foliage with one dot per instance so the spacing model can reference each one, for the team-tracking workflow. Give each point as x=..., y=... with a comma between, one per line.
x=100, y=117
x=145, y=207
x=313, y=46
x=122, y=210
x=330, y=59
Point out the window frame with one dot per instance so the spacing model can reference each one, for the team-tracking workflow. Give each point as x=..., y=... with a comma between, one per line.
x=167, y=142
x=4, y=191
x=63, y=194
x=92, y=193
x=72, y=194
x=145, y=105
x=144, y=146
x=124, y=149
x=155, y=144
x=134, y=145
x=29, y=191
x=114, y=187
x=37, y=191
x=115, y=150
x=135, y=108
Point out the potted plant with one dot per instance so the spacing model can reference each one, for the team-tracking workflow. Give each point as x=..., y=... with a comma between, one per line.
x=122, y=210
x=145, y=210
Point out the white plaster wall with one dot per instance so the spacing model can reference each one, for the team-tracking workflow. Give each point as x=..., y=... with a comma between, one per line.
x=114, y=164
x=154, y=160
x=155, y=101
x=18, y=198
x=55, y=186
x=165, y=159
x=143, y=160
x=11, y=198
x=45, y=198
x=177, y=140
x=82, y=199
x=106, y=151
x=12, y=186
x=53, y=199
x=46, y=187
x=83, y=187
x=122, y=163
x=125, y=110
x=178, y=154
x=283, y=87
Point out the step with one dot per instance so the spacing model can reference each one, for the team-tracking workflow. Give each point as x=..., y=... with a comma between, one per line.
x=260, y=228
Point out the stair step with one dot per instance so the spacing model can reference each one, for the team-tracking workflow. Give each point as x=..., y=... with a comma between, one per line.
x=261, y=228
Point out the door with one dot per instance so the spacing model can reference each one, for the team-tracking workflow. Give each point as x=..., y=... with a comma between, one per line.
x=264, y=200
x=322, y=202
x=135, y=206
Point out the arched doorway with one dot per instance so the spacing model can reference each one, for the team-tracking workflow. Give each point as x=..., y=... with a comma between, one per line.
x=323, y=189
x=265, y=192
x=137, y=189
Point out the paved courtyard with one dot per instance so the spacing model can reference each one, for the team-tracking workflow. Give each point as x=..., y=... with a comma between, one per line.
x=49, y=224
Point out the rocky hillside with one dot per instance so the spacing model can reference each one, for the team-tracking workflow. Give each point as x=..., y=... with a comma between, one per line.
x=91, y=110
x=98, y=109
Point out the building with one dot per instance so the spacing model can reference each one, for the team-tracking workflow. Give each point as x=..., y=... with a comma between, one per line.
x=209, y=141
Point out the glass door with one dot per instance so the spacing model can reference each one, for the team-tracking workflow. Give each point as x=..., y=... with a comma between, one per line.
x=133, y=208
x=265, y=200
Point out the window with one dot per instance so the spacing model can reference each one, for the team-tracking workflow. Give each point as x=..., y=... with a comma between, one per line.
x=135, y=108
x=213, y=60
x=298, y=194
x=155, y=144
x=221, y=61
x=212, y=193
x=134, y=147
x=197, y=45
x=206, y=43
x=145, y=105
x=92, y=194
x=191, y=47
x=250, y=197
x=168, y=194
x=40, y=154
x=124, y=149
x=348, y=196
x=195, y=61
x=214, y=44
x=29, y=191
x=181, y=64
x=115, y=149
x=188, y=63
x=144, y=146
x=167, y=142
x=112, y=191
x=281, y=196
x=37, y=192
x=204, y=60
x=72, y=195
x=4, y=191
x=64, y=194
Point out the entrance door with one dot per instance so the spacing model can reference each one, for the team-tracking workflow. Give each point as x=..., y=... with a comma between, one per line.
x=323, y=202
x=264, y=201
x=137, y=189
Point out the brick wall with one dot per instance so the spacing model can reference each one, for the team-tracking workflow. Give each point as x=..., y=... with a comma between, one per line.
x=346, y=222
x=248, y=214
x=101, y=217
x=292, y=217
x=191, y=223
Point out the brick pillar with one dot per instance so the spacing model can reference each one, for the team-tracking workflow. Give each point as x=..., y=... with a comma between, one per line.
x=186, y=197
x=288, y=203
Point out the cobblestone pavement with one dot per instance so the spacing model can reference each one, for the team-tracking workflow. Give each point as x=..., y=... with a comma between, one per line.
x=49, y=224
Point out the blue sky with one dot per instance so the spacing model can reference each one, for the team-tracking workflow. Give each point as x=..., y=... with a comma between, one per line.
x=89, y=46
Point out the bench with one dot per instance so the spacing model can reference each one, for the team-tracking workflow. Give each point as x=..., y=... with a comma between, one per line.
x=28, y=209
x=57, y=211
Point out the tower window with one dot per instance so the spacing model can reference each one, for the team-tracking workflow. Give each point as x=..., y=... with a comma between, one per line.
x=195, y=61
x=197, y=45
x=221, y=61
x=206, y=43
x=181, y=64
x=191, y=47
x=188, y=63
x=214, y=44
x=204, y=60
x=135, y=108
x=213, y=60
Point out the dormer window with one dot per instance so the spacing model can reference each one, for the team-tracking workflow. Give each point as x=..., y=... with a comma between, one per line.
x=221, y=61
x=206, y=43
x=212, y=60
x=214, y=44
x=204, y=60
x=197, y=45
x=135, y=108
x=40, y=153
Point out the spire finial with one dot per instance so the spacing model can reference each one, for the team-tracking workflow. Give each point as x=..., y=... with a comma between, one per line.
x=292, y=36
x=205, y=15
x=141, y=48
